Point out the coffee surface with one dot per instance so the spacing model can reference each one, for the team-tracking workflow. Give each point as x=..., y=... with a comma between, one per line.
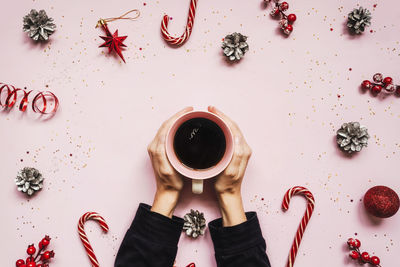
x=199, y=143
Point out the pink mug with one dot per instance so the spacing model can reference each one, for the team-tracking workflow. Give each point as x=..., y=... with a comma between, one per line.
x=198, y=175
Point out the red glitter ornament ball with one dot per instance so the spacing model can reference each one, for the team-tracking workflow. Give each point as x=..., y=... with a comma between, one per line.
x=291, y=18
x=376, y=89
x=381, y=201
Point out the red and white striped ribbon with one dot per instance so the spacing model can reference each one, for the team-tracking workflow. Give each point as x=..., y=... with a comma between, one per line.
x=85, y=241
x=189, y=26
x=298, y=190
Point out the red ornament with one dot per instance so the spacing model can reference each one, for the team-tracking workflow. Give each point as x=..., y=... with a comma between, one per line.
x=113, y=41
x=376, y=89
x=381, y=201
x=291, y=18
x=375, y=260
x=387, y=80
x=31, y=264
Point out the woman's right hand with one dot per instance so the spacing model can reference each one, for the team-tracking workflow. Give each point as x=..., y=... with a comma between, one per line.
x=229, y=182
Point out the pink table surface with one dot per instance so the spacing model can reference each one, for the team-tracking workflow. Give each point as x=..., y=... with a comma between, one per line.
x=289, y=96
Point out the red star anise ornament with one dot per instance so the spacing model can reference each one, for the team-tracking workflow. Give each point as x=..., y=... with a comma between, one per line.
x=113, y=41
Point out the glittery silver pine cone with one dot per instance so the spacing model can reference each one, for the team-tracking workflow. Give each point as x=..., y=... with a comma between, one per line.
x=38, y=25
x=29, y=181
x=195, y=224
x=359, y=19
x=352, y=137
x=235, y=46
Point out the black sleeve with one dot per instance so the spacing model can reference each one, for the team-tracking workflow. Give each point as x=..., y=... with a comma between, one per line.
x=239, y=245
x=151, y=241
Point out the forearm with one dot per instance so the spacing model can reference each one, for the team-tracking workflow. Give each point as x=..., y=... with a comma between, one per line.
x=165, y=202
x=231, y=207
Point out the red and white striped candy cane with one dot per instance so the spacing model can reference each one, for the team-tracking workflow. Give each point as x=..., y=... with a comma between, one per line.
x=298, y=190
x=85, y=241
x=189, y=26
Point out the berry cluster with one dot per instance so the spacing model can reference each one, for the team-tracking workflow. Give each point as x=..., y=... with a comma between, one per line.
x=380, y=83
x=364, y=257
x=285, y=21
x=41, y=256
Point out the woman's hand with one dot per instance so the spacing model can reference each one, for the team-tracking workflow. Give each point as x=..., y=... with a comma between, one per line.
x=169, y=181
x=229, y=182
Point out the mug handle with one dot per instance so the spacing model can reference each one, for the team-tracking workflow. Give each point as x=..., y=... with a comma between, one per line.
x=197, y=186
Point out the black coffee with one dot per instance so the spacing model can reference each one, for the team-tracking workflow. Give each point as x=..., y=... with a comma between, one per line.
x=199, y=143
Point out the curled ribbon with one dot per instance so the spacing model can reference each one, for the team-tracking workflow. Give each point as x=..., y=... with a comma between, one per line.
x=9, y=94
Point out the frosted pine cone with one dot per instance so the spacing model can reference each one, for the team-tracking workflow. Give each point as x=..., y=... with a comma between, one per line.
x=29, y=180
x=359, y=19
x=235, y=46
x=352, y=137
x=195, y=224
x=38, y=25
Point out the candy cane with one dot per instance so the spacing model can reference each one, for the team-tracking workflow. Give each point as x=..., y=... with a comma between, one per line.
x=189, y=26
x=85, y=241
x=304, y=221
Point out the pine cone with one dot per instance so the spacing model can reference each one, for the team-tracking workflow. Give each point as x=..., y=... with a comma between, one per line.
x=195, y=224
x=38, y=25
x=352, y=137
x=235, y=46
x=29, y=180
x=358, y=20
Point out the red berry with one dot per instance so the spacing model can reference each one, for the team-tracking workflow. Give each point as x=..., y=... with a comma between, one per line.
x=387, y=80
x=365, y=256
x=45, y=241
x=351, y=242
x=31, y=250
x=376, y=89
x=29, y=259
x=289, y=28
x=284, y=6
x=39, y=265
x=31, y=264
x=357, y=243
x=366, y=84
x=354, y=255
x=47, y=255
x=291, y=18
x=375, y=260
x=19, y=263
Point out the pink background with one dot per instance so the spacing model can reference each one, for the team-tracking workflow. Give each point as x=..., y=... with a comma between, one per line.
x=284, y=95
